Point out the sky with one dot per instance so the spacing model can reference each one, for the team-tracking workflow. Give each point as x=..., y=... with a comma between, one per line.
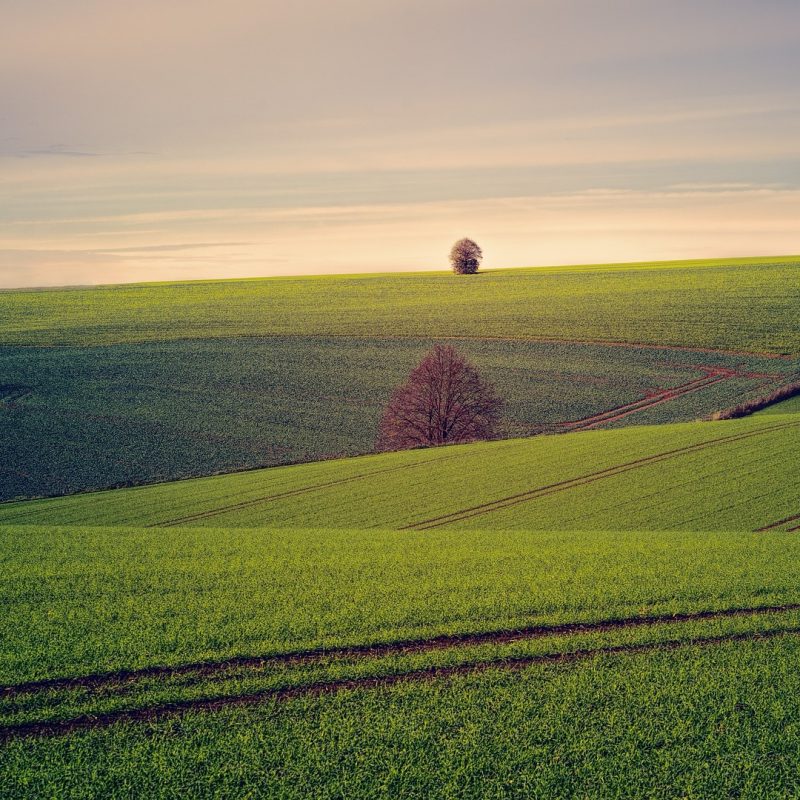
x=178, y=139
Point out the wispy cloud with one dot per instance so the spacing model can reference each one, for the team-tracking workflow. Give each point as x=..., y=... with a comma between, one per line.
x=580, y=227
x=57, y=150
x=163, y=248
x=322, y=136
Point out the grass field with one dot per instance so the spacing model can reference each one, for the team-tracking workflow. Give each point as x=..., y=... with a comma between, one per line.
x=255, y=661
x=125, y=385
x=84, y=600
x=259, y=642
x=790, y=406
x=605, y=612
x=745, y=304
x=736, y=475
x=77, y=418
x=698, y=722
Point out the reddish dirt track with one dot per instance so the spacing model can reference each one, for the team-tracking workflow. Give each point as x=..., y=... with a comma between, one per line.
x=711, y=376
x=780, y=523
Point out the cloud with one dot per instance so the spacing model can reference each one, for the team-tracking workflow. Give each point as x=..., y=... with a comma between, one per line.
x=57, y=150
x=592, y=226
x=264, y=131
x=161, y=248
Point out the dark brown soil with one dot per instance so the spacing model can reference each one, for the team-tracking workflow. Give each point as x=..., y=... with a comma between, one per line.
x=180, y=707
x=780, y=523
x=401, y=647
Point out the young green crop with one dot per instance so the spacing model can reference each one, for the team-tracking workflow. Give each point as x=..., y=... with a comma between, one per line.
x=166, y=692
x=790, y=406
x=216, y=376
x=735, y=475
x=698, y=722
x=78, y=418
x=746, y=304
x=83, y=600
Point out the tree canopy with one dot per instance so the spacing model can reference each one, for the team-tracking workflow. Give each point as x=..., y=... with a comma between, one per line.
x=465, y=256
x=444, y=401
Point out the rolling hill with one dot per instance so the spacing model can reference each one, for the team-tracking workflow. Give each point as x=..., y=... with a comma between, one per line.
x=735, y=475
x=126, y=385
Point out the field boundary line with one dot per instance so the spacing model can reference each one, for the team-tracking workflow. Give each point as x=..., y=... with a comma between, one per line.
x=400, y=647
x=581, y=480
x=321, y=688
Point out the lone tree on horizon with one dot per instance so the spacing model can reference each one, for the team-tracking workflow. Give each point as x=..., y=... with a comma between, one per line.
x=444, y=401
x=465, y=256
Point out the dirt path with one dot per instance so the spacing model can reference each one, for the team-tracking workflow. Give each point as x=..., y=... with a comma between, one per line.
x=317, y=689
x=560, y=486
x=780, y=523
x=401, y=647
x=711, y=376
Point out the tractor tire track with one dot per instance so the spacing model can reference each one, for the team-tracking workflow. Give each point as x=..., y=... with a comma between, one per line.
x=179, y=708
x=780, y=523
x=712, y=376
x=215, y=512
x=560, y=486
x=401, y=647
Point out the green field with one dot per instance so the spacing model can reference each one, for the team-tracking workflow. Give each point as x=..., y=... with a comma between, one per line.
x=77, y=418
x=609, y=610
x=647, y=615
x=125, y=385
x=84, y=600
x=735, y=475
x=741, y=304
x=790, y=406
x=694, y=722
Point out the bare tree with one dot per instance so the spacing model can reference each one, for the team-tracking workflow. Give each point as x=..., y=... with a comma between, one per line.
x=465, y=257
x=444, y=401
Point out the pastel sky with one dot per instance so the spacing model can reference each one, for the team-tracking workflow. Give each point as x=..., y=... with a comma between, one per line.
x=163, y=139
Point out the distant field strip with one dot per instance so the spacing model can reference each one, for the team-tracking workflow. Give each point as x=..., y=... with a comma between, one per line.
x=507, y=502
x=737, y=304
x=215, y=512
x=734, y=475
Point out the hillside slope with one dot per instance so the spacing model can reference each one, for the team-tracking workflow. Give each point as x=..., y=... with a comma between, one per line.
x=124, y=385
x=735, y=475
x=753, y=306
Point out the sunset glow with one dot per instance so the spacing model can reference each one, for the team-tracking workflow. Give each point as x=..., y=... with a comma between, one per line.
x=155, y=141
